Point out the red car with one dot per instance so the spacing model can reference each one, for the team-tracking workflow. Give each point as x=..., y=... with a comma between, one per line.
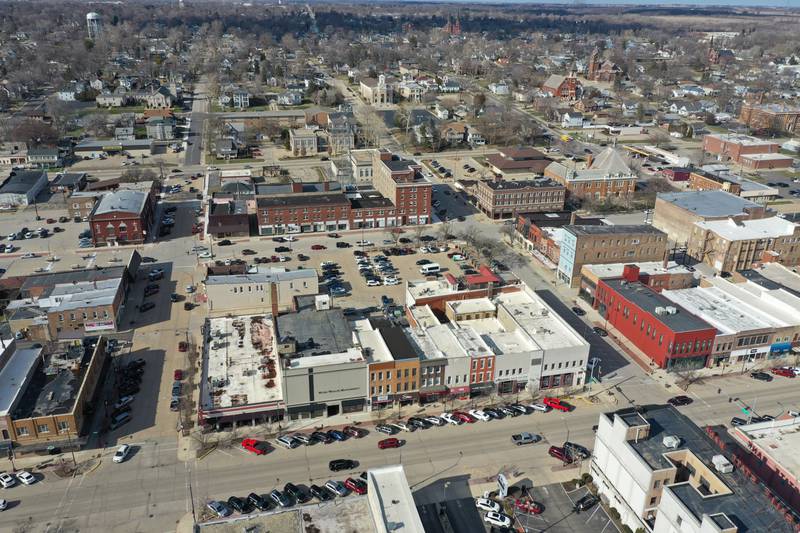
x=177, y=375
x=183, y=346
x=389, y=443
x=356, y=485
x=258, y=447
x=318, y=247
x=785, y=372
x=556, y=403
x=464, y=417
x=560, y=454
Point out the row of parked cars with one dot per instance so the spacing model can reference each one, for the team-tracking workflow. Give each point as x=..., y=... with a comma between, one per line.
x=289, y=496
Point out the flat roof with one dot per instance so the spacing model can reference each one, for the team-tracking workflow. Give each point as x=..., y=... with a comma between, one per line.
x=21, y=181
x=234, y=355
x=262, y=277
x=712, y=203
x=397, y=342
x=15, y=375
x=391, y=502
x=52, y=279
x=777, y=439
x=726, y=313
x=613, y=229
x=352, y=355
x=746, y=503
x=54, y=386
x=743, y=230
x=398, y=165
x=739, y=138
x=316, y=332
x=67, y=297
x=476, y=305
x=648, y=300
x=301, y=199
x=615, y=270
x=429, y=289
x=372, y=343
x=776, y=274
x=767, y=157
x=124, y=200
x=558, y=219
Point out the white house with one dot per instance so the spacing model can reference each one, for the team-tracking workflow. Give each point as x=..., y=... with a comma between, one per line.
x=572, y=119
x=500, y=89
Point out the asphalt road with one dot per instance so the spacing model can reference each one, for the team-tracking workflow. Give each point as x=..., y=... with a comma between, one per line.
x=199, y=114
x=151, y=490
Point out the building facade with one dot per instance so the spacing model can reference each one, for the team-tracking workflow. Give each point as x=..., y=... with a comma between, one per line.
x=249, y=293
x=606, y=177
x=770, y=117
x=596, y=245
x=503, y=199
x=122, y=217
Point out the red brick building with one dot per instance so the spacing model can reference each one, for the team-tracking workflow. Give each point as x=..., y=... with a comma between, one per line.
x=700, y=180
x=299, y=212
x=538, y=230
x=563, y=87
x=731, y=147
x=770, y=117
x=503, y=198
x=122, y=217
x=671, y=336
x=401, y=182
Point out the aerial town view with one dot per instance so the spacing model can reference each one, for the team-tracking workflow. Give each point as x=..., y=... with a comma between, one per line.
x=297, y=266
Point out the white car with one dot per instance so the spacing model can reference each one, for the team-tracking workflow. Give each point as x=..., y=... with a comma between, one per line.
x=480, y=415
x=29, y=255
x=284, y=258
x=290, y=238
x=326, y=263
x=425, y=250
x=122, y=453
x=402, y=426
x=539, y=407
x=3, y=505
x=373, y=283
x=205, y=255
x=26, y=477
x=337, y=487
x=7, y=480
x=486, y=504
x=364, y=243
x=391, y=281
x=435, y=420
x=497, y=519
x=451, y=419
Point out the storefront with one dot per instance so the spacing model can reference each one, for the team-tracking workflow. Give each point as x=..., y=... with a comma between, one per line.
x=779, y=349
x=432, y=394
x=407, y=399
x=381, y=402
x=511, y=386
x=353, y=406
x=481, y=389
x=749, y=354
x=461, y=393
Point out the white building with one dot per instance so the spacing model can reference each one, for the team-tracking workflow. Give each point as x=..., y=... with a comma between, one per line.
x=390, y=501
x=22, y=186
x=273, y=291
x=663, y=474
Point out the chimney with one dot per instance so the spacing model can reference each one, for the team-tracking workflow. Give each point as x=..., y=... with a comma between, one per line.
x=572, y=218
x=630, y=273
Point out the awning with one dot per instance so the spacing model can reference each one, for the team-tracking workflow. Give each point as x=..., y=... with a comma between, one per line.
x=781, y=347
x=482, y=386
x=437, y=389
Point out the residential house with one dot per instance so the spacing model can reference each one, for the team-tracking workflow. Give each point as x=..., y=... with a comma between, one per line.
x=500, y=88
x=563, y=87
x=572, y=119
x=233, y=96
x=290, y=98
x=303, y=142
x=160, y=98
x=44, y=157
x=160, y=129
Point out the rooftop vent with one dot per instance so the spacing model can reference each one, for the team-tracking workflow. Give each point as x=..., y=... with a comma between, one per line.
x=671, y=441
x=660, y=311
x=671, y=310
x=721, y=464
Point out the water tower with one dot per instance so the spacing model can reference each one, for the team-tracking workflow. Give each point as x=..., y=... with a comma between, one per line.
x=93, y=25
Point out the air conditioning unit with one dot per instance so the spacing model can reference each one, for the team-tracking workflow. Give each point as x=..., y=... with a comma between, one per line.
x=672, y=310
x=660, y=311
x=721, y=464
x=671, y=442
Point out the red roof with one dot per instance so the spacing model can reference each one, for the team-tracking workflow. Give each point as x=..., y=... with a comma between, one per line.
x=450, y=278
x=485, y=275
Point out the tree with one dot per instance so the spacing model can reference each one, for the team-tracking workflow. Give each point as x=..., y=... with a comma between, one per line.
x=34, y=133
x=478, y=102
x=393, y=234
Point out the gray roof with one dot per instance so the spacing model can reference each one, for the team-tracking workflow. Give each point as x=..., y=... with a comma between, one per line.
x=21, y=181
x=316, y=332
x=712, y=203
x=579, y=229
x=610, y=161
x=647, y=300
x=122, y=200
x=748, y=506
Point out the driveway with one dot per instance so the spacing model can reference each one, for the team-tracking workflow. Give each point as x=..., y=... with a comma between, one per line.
x=559, y=516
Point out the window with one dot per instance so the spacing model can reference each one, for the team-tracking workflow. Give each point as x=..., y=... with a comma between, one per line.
x=372, y=377
x=653, y=500
x=474, y=365
x=405, y=373
x=380, y=376
x=657, y=484
x=413, y=385
x=22, y=432
x=448, y=379
x=63, y=425
x=380, y=389
x=398, y=374
x=372, y=391
x=43, y=428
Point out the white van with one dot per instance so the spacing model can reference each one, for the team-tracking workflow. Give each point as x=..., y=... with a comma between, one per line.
x=430, y=268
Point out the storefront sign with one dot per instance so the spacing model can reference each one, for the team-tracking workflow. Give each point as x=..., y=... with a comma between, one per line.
x=104, y=325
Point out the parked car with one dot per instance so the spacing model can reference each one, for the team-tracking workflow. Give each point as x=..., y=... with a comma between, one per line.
x=600, y=331
x=560, y=454
x=356, y=485
x=576, y=451
x=497, y=519
x=335, y=434
x=385, y=429
x=578, y=311
x=26, y=478
x=292, y=490
x=220, y=509
x=258, y=501
x=342, y=464
x=320, y=493
x=785, y=372
x=587, y=502
x=435, y=420
x=761, y=376
x=450, y=418
x=485, y=504
x=354, y=432
x=239, y=505
x=280, y=498
x=540, y=407
x=336, y=487
x=480, y=415
x=736, y=421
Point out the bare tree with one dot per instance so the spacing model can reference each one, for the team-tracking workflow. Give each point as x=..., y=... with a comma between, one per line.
x=393, y=234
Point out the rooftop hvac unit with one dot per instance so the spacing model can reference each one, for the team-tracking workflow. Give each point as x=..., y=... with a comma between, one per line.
x=544, y=311
x=721, y=464
x=672, y=310
x=660, y=311
x=671, y=441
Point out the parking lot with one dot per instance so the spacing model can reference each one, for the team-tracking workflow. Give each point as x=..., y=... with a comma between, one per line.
x=559, y=515
x=455, y=166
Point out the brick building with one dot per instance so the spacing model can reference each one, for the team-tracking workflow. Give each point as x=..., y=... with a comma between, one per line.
x=563, y=87
x=670, y=336
x=702, y=180
x=596, y=245
x=606, y=177
x=122, y=217
x=730, y=245
x=502, y=199
x=658, y=275
x=541, y=232
x=600, y=69
x=295, y=213
x=509, y=161
x=401, y=181
x=745, y=150
x=770, y=117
